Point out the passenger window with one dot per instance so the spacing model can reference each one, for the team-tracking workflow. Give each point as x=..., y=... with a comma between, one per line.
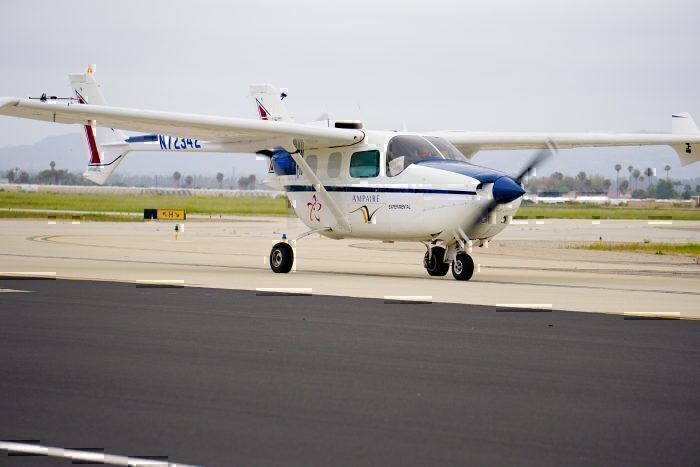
x=364, y=164
x=334, y=162
x=313, y=162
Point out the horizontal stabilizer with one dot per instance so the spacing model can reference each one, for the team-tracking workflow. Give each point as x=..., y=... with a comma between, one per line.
x=683, y=124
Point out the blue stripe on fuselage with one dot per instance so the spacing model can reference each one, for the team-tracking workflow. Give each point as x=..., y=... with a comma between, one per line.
x=142, y=139
x=367, y=189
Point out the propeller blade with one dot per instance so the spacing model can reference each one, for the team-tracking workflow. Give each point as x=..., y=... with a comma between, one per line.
x=536, y=160
x=492, y=203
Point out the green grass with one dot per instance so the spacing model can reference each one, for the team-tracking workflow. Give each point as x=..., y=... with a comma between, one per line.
x=277, y=207
x=68, y=217
x=137, y=203
x=587, y=212
x=687, y=249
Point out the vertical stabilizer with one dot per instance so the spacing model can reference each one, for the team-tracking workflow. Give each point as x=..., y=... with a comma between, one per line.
x=268, y=100
x=106, y=146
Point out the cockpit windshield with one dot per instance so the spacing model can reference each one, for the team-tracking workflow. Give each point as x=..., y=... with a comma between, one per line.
x=405, y=150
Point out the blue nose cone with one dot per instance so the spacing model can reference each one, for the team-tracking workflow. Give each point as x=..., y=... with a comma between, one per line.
x=506, y=190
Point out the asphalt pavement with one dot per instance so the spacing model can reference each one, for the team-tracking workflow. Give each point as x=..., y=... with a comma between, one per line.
x=225, y=377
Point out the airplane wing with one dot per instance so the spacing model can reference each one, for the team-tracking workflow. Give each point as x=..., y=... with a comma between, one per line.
x=684, y=138
x=246, y=135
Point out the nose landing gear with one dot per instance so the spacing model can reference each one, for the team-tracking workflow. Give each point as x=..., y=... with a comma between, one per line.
x=462, y=265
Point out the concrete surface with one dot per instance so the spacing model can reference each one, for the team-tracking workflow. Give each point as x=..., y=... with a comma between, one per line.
x=524, y=265
x=222, y=377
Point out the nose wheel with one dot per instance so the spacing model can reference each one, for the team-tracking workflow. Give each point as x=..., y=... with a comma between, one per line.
x=463, y=267
x=281, y=258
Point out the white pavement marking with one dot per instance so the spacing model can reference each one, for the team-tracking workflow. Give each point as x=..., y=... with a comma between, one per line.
x=653, y=314
x=161, y=282
x=12, y=290
x=408, y=299
x=660, y=222
x=27, y=274
x=283, y=291
x=84, y=456
x=530, y=306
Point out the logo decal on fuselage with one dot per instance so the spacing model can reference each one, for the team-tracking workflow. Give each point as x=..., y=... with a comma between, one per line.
x=366, y=215
x=314, y=207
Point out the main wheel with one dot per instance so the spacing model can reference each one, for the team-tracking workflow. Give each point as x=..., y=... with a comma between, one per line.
x=281, y=258
x=463, y=267
x=434, y=263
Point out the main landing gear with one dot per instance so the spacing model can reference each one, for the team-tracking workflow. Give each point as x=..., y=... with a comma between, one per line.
x=281, y=258
x=462, y=265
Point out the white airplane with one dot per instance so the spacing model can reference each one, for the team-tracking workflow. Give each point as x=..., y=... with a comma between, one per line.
x=342, y=180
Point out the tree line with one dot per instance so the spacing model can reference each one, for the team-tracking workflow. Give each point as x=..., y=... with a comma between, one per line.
x=637, y=184
x=55, y=176
x=244, y=183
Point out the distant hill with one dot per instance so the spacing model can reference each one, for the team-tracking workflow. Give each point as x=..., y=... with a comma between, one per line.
x=70, y=152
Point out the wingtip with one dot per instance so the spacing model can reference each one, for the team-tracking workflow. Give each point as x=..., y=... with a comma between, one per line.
x=8, y=102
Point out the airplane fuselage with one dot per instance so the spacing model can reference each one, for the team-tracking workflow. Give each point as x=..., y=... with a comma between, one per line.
x=426, y=201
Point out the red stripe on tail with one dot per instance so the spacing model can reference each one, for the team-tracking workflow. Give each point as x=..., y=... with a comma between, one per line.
x=94, y=155
x=90, y=135
x=262, y=111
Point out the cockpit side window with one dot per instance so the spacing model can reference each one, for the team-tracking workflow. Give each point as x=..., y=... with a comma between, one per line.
x=405, y=150
x=364, y=164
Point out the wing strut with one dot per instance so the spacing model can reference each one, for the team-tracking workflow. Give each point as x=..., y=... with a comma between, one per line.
x=342, y=223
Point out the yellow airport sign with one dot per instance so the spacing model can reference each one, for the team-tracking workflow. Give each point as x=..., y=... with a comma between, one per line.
x=165, y=214
x=171, y=214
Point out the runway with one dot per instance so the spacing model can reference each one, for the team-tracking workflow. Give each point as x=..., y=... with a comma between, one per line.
x=528, y=264
x=223, y=377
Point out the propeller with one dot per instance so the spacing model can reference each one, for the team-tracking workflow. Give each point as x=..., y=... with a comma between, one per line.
x=507, y=189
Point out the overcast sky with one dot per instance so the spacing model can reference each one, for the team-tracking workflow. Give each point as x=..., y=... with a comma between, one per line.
x=496, y=65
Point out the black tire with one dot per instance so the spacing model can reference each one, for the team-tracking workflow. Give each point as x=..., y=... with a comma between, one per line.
x=463, y=267
x=281, y=258
x=435, y=264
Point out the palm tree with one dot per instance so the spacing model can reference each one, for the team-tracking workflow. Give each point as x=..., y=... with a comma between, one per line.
x=667, y=169
x=636, y=173
x=581, y=178
x=53, y=172
x=624, y=186
x=629, y=177
x=188, y=181
x=177, y=176
x=649, y=172
x=618, y=167
x=220, y=179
